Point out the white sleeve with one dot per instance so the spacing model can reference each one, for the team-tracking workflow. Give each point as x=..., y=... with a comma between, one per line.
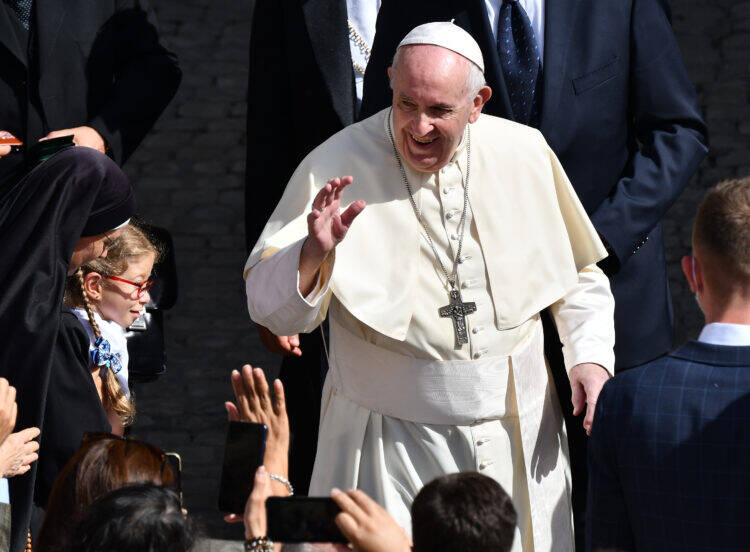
x=273, y=296
x=585, y=321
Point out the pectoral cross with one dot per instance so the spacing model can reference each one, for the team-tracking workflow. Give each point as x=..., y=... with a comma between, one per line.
x=458, y=310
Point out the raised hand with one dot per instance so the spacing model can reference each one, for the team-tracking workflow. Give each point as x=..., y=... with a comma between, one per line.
x=254, y=404
x=326, y=228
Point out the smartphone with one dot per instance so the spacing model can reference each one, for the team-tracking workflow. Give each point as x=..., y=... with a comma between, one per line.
x=303, y=519
x=243, y=455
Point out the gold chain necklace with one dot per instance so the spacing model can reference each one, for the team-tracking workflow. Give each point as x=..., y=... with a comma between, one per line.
x=355, y=37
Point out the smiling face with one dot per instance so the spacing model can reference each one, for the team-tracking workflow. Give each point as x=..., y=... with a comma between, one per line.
x=119, y=301
x=431, y=104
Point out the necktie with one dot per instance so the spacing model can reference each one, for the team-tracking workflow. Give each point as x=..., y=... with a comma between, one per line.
x=521, y=62
x=23, y=10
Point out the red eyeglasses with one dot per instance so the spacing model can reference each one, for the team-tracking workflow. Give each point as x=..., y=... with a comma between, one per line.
x=142, y=288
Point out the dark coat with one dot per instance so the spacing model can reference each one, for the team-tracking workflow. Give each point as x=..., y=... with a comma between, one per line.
x=301, y=92
x=668, y=454
x=619, y=111
x=97, y=64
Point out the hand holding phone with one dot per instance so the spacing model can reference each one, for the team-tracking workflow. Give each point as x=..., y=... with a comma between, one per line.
x=303, y=519
x=243, y=455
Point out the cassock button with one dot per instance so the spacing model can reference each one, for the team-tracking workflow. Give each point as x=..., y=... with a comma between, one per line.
x=451, y=214
x=482, y=440
x=476, y=329
x=463, y=258
x=447, y=190
x=454, y=236
x=466, y=284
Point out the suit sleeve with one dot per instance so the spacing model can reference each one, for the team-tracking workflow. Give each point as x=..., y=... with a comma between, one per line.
x=146, y=77
x=268, y=95
x=607, y=525
x=668, y=127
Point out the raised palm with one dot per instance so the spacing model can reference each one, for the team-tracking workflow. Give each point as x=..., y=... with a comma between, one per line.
x=326, y=225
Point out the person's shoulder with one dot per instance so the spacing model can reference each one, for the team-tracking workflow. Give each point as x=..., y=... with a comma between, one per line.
x=508, y=136
x=361, y=140
x=73, y=334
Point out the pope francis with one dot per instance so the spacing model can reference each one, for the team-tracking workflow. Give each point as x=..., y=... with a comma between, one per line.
x=466, y=227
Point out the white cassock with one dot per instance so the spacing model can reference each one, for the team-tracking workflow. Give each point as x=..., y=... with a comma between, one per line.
x=401, y=404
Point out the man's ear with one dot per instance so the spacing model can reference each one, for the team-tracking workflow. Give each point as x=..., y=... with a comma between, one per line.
x=691, y=267
x=92, y=283
x=482, y=97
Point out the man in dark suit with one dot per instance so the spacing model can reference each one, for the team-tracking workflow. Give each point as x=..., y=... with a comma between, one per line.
x=668, y=452
x=92, y=69
x=609, y=92
x=302, y=90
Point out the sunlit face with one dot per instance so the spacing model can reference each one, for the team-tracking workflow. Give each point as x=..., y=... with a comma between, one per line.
x=119, y=301
x=92, y=247
x=431, y=106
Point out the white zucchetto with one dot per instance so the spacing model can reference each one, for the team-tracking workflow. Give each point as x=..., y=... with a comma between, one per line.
x=446, y=35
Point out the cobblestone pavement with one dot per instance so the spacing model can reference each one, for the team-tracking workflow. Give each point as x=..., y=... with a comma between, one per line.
x=189, y=178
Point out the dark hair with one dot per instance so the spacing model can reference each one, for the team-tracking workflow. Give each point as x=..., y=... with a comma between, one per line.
x=99, y=467
x=463, y=511
x=146, y=518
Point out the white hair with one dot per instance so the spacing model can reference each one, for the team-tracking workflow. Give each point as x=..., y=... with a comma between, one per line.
x=474, y=76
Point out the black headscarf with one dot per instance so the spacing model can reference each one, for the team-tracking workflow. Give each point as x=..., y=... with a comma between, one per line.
x=77, y=192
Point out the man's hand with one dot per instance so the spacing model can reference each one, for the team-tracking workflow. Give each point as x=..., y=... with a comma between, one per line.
x=326, y=228
x=82, y=136
x=368, y=527
x=254, y=404
x=286, y=345
x=586, y=382
x=8, y=409
x=18, y=451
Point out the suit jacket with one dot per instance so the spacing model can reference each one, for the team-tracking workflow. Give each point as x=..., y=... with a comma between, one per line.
x=619, y=111
x=301, y=92
x=98, y=64
x=668, y=454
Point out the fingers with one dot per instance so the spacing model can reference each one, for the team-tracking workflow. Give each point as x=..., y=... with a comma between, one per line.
x=578, y=397
x=352, y=212
x=240, y=394
x=252, y=394
x=233, y=414
x=365, y=503
x=279, y=403
x=348, y=525
x=261, y=385
x=588, y=421
x=13, y=413
x=331, y=192
x=232, y=518
x=28, y=434
x=347, y=504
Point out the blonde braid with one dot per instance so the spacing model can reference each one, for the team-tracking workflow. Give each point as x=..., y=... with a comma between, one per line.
x=112, y=396
x=87, y=304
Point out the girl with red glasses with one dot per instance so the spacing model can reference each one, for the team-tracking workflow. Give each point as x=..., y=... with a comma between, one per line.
x=108, y=295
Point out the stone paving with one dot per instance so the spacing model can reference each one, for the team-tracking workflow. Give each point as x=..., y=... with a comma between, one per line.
x=189, y=178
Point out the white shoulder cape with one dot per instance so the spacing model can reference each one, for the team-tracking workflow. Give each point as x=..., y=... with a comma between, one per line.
x=533, y=230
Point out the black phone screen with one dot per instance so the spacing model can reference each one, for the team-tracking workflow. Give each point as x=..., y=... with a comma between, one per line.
x=303, y=519
x=243, y=455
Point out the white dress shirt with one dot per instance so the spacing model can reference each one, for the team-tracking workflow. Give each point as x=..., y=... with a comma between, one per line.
x=534, y=9
x=720, y=333
x=362, y=15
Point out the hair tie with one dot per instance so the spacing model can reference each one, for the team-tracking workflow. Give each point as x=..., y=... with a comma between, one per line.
x=101, y=356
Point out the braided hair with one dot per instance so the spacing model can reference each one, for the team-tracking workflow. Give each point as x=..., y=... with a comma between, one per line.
x=131, y=243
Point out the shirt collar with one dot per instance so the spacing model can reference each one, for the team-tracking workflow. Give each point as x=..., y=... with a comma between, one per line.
x=721, y=333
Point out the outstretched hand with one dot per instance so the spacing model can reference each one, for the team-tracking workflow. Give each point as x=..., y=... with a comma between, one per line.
x=586, y=382
x=326, y=228
x=254, y=404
